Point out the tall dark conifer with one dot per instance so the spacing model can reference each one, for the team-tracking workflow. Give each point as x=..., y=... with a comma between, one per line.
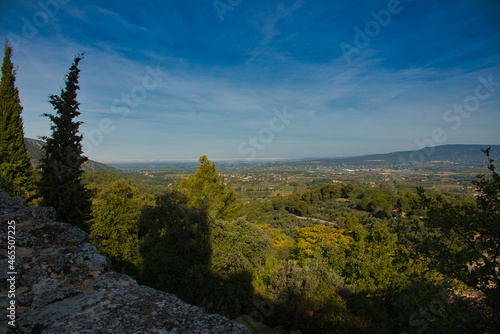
x=60, y=183
x=15, y=166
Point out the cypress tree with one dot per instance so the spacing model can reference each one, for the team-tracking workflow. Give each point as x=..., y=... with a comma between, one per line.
x=61, y=177
x=15, y=167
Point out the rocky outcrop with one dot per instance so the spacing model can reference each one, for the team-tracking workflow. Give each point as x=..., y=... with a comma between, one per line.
x=63, y=285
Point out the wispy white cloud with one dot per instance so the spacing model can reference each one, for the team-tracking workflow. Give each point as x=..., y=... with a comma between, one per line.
x=269, y=29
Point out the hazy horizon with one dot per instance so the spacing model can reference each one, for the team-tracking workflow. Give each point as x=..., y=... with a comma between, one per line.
x=270, y=159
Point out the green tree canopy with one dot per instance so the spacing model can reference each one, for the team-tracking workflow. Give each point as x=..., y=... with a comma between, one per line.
x=15, y=166
x=175, y=247
x=462, y=241
x=238, y=246
x=114, y=227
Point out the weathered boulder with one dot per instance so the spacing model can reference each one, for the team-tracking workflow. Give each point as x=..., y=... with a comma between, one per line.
x=63, y=285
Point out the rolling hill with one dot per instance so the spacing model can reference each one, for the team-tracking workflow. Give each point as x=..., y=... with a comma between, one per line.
x=445, y=157
x=456, y=155
x=35, y=152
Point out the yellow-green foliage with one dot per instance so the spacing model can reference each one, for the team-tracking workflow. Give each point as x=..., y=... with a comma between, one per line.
x=280, y=239
x=309, y=239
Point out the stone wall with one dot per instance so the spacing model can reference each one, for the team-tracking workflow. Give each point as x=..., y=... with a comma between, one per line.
x=63, y=285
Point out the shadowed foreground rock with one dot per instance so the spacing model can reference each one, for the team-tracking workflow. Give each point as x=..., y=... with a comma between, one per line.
x=63, y=285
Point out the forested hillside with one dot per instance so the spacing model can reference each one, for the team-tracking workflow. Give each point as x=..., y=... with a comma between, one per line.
x=335, y=258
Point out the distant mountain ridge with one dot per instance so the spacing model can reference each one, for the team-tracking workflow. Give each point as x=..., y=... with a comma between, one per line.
x=456, y=154
x=35, y=152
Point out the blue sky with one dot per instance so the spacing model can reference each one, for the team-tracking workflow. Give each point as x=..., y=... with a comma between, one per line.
x=241, y=79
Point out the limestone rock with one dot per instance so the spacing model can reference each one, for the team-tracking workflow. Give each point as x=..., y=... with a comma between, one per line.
x=63, y=285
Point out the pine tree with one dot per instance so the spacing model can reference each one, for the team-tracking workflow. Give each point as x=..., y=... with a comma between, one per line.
x=15, y=167
x=207, y=190
x=60, y=183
